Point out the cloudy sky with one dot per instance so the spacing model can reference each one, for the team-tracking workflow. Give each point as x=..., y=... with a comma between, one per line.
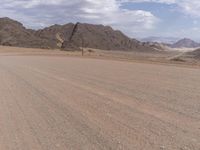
x=136, y=18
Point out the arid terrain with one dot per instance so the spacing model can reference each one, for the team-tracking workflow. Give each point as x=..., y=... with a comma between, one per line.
x=55, y=100
x=69, y=36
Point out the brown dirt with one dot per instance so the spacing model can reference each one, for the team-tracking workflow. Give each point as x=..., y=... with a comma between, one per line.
x=57, y=103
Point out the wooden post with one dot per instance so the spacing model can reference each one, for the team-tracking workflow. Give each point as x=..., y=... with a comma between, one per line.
x=82, y=46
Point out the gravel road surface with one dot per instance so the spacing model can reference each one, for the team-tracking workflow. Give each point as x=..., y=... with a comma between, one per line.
x=66, y=103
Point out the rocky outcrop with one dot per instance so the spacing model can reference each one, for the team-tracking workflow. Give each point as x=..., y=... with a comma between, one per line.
x=69, y=37
x=13, y=33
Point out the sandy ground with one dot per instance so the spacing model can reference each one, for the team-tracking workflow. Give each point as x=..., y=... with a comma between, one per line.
x=162, y=57
x=71, y=103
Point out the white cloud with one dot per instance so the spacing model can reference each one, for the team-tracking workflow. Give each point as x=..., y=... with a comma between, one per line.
x=39, y=13
x=155, y=1
x=189, y=7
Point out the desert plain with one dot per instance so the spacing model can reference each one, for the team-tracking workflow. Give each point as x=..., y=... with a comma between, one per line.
x=55, y=100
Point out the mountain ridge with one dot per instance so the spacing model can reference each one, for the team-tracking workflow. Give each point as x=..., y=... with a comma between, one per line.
x=68, y=36
x=13, y=33
x=185, y=43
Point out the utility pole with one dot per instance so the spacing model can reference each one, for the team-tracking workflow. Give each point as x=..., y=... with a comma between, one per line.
x=82, y=44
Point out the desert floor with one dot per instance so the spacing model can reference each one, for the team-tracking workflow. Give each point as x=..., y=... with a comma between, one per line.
x=49, y=102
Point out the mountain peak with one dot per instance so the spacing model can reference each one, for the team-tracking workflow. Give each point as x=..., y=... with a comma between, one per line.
x=6, y=20
x=69, y=36
x=185, y=43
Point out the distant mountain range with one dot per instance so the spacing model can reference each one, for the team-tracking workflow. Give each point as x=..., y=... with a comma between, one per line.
x=70, y=36
x=173, y=42
x=74, y=36
x=166, y=40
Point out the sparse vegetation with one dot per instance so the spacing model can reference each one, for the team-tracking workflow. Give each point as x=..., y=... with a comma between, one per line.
x=178, y=59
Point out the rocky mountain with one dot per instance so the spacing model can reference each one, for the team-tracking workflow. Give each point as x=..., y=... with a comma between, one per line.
x=185, y=43
x=13, y=33
x=103, y=37
x=69, y=36
x=74, y=36
x=56, y=34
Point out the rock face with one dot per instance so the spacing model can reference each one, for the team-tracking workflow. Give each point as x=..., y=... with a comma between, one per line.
x=100, y=37
x=56, y=34
x=69, y=37
x=13, y=33
x=185, y=43
x=79, y=35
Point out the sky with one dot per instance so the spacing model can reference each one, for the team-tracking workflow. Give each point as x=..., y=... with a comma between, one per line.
x=136, y=18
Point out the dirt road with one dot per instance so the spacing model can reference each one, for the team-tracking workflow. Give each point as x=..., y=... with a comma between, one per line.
x=66, y=103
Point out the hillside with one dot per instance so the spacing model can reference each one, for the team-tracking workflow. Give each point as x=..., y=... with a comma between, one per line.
x=56, y=34
x=194, y=54
x=74, y=36
x=69, y=36
x=100, y=37
x=13, y=33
